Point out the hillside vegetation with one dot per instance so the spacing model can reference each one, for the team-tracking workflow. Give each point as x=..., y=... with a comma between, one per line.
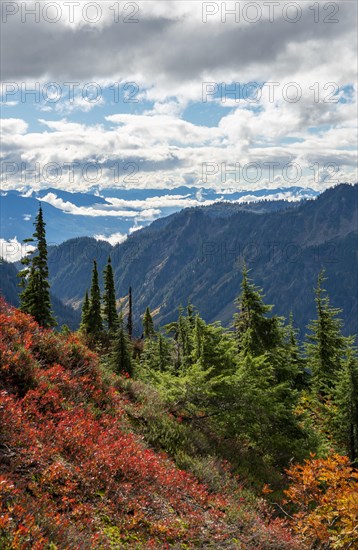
x=202, y=440
x=191, y=436
x=75, y=475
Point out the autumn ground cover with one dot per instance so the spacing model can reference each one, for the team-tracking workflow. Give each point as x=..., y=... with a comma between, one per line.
x=74, y=475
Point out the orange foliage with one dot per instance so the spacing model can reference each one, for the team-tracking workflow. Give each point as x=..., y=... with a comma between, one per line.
x=326, y=493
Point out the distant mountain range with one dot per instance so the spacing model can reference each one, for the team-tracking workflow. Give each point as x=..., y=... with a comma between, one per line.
x=112, y=213
x=196, y=255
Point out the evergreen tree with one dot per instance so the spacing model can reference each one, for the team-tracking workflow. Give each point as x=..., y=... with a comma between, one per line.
x=198, y=339
x=85, y=313
x=95, y=325
x=293, y=359
x=157, y=354
x=292, y=341
x=109, y=299
x=256, y=333
x=263, y=411
x=120, y=359
x=327, y=345
x=148, y=325
x=345, y=406
x=164, y=355
x=185, y=330
x=269, y=375
x=173, y=328
x=190, y=314
x=212, y=347
x=130, y=314
x=35, y=297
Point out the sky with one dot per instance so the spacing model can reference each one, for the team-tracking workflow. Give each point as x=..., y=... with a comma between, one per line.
x=159, y=95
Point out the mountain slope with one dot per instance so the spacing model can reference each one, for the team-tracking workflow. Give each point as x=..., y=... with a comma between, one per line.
x=196, y=255
x=73, y=474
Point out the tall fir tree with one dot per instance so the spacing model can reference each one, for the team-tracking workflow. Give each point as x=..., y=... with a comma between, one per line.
x=148, y=325
x=290, y=356
x=130, y=314
x=190, y=314
x=173, y=328
x=121, y=357
x=185, y=330
x=109, y=299
x=164, y=354
x=157, y=354
x=212, y=347
x=256, y=333
x=35, y=297
x=85, y=313
x=263, y=410
x=95, y=324
x=327, y=345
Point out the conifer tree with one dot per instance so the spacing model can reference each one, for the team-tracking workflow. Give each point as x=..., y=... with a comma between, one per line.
x=163, y=353
x=185, y=330
x=345, y=405
x=256, y=333
x=148, y=325
x=157, y=354
x=292, y=340
x=173, y=328
x=95, y=325
x=85, y=313
x=120, y=359
x=265, y=410
x=109, y=299
x=130, y=314
x=212, y=347
x=190, y=314
x=198, y=339
x=35, y=297
x=269, y=368
x=327, y=345
x=293, y=358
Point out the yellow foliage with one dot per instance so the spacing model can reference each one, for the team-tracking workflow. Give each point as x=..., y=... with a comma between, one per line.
x=326, y=493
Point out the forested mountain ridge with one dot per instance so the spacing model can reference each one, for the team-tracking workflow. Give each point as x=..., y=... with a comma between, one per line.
x=73, y=215
x=196, y=255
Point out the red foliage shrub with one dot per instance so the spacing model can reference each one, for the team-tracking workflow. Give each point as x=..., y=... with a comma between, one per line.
x=72, y=473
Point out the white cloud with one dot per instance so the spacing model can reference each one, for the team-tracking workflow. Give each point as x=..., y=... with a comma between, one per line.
x=13, y=126
x=135, y=228
x=172, y=51
x=168, y=150
x=164, y=201
x=13, y=250
x=8, y=103
x=70, y=208
x=113, y=239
